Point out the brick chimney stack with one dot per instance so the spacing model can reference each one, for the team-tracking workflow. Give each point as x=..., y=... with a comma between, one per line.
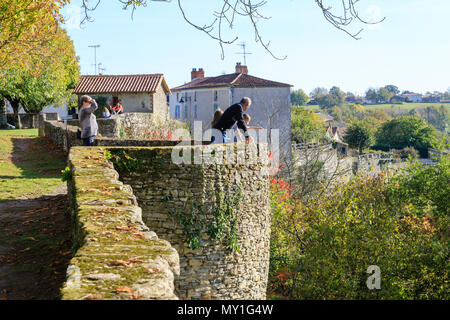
x=197, y=74
x=241, y=68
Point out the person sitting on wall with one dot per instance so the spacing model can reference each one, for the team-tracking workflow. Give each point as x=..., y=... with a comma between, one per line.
x=106, y=113
x=117, y=108
x=234, y=115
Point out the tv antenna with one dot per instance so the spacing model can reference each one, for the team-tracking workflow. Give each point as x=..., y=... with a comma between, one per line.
x=244, y=52
x=100, y=69
x=95, y=56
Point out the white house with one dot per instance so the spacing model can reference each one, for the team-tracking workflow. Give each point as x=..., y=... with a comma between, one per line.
x=415, y=97
x=198, y=99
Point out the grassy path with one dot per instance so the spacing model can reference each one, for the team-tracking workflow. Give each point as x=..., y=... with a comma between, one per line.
x=29, y=166
x=35, y=239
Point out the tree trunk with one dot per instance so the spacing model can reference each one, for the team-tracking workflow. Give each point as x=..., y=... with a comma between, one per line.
x=16, y=106
x=3, y=119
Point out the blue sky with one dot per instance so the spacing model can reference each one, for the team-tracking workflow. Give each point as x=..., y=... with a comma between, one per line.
x=409, y=49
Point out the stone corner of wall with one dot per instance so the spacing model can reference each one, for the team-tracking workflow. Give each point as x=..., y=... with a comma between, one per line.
x=117, y=256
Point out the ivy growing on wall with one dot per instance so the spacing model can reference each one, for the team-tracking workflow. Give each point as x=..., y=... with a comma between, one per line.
x=223, y=224
x=121, y=160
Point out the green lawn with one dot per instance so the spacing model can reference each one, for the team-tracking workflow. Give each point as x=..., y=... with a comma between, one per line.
x=20, y=132
x=29, y=166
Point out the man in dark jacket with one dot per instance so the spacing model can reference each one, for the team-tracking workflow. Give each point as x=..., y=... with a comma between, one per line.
x=234, y=115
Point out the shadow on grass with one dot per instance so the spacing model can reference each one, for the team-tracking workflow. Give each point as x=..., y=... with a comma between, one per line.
x=37, y=158
x=35, y=247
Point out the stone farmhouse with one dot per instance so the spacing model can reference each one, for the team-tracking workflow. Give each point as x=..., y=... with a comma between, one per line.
x=198, y=99
x=137, y=93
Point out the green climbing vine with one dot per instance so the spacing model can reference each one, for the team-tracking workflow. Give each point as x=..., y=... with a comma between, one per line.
x=223, y=224
x=121, y=160
x=66, y=174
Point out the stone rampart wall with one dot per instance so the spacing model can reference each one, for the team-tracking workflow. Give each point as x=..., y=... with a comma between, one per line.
x=116, y=255
x=204, y=210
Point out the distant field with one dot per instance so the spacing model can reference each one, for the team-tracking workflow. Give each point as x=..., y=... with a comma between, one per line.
x=407, y=106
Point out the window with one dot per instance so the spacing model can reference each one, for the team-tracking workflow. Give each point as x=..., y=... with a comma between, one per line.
x=215, y=95
x=185, y=112
x=195, y=95
x=195, y=112
x=178, y=96
x=177, y=112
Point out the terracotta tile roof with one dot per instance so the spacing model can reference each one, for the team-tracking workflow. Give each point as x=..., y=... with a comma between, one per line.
x=230, y=80
x=120, y=84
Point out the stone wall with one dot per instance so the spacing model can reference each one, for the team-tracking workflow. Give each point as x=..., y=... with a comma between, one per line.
x=311, y=153
x=66, y=137
x=62, y=134
x=106, y=127
x=27, y=120
x=132, y=125
x=181, y=203
x=374, y=163
x=116, y=255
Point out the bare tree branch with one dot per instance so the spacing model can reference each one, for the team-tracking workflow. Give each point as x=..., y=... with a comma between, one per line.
x=229, y=10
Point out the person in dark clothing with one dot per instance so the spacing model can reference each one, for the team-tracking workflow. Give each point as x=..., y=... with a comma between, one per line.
x=234, y=115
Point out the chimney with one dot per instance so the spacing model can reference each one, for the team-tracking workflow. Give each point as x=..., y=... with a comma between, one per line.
x=241, y=68
x=197, y=74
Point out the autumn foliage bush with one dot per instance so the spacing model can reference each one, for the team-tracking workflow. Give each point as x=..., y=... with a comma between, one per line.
x=321, y=248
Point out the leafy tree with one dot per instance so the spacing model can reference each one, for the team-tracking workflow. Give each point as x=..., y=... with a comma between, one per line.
x=45, y=81
x=372, y=124
x=379, y=114
x=385, y=95
x=372, y=95
x=426, y=187
x=321, y=249
x=392, y=88
x=306, y=126
x=335, y=97
x=407, y=131
x=318, y=92
x=337, y=113
x=358, y=136
x=299, y=98
x=26, y=28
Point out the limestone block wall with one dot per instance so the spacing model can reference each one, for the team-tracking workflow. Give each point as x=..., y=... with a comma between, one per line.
x=64, y=136
x=136, y=125
x=180, y=203
x=106, y=127
x=374, y=163
x=116, y=255
x=131, y=125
